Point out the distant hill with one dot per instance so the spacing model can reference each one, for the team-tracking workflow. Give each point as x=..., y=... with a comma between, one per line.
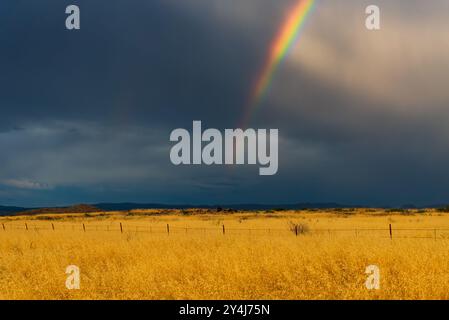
x=6, y=211
x=126, y=206
x=248, y=206
x=80, y=208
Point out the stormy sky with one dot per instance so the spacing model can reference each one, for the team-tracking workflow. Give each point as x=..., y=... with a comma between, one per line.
x=86, y=115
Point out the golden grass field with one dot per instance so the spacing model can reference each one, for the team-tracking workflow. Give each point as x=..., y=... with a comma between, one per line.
x=258, y=257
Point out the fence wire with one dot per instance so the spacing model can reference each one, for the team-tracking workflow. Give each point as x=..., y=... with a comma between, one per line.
x=388, y=232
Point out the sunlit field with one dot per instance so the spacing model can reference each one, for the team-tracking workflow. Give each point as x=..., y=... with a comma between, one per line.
x=200, y=254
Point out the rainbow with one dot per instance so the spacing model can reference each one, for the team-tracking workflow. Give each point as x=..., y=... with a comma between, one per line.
x=281, y=45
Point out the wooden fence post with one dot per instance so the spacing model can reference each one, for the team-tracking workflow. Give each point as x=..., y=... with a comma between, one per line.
x=84, y=228
x=224, y=230
x=121, y=228
x=53, y=226
x=296, y=230
x=391, y=233
x=168, y=229
x=3, y=225
x=26, y=226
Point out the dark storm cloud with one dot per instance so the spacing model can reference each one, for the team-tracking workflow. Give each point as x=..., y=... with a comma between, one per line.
x=86, y=115
x=133, y=61
x=374, y=105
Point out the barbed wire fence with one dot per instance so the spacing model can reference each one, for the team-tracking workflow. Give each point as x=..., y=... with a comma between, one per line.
x=387, y=232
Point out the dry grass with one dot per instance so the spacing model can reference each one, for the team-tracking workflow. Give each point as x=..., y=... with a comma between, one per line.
x=202, y=263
